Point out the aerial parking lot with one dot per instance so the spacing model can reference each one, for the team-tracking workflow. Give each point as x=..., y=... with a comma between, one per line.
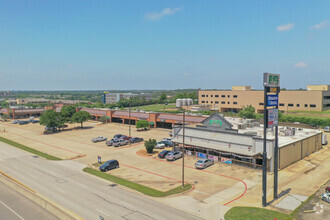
x=219, y=185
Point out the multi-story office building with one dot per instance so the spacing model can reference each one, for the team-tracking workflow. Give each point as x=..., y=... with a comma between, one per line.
x=110, y=98
x=315, y=98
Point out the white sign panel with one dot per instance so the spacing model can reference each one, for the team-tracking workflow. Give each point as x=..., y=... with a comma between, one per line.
x=272, y=118
x=271, y=80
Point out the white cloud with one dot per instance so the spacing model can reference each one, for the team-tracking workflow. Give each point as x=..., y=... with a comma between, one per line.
x=158, y=15
x=285, y=27
x=321, y=25
x=300, y=65
x=186, y=74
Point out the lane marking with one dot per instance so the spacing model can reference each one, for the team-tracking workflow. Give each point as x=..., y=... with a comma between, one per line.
x=11, y=210
x=102, y=212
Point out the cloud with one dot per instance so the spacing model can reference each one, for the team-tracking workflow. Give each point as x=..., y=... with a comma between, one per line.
x=285, y=27
x=158, y=15
x=300, y=65
x=321, y=25
x=186, y=74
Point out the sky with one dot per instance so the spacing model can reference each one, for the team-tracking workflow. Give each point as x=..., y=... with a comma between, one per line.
x=173, y=44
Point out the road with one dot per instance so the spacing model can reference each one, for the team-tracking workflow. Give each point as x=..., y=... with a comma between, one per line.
x=65, y=183
x=14, y=206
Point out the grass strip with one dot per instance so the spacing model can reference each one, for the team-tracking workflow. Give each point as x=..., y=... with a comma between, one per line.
x=138, y=187
x=28, y=149
x=254, y=213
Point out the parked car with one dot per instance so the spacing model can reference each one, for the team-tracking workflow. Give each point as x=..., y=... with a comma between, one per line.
x=327, y=189
x=35, y=121
x=50, y=129
x=167, y=143
x=23, y=122
x=163, y=154
x=173, y=155
x=167, y=139
x=119, y=142
x=313, y=125
x=15, y=121
x=136, y=139
x=120, y=136
x=110, y=142
x=99, y=139
x=160, y=145
x=327, y=128
x=326, y=197
x=111, y=164
x=203, y=163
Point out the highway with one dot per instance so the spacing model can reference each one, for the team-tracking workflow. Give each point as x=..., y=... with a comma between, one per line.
x=14, y=206
x=65, y=183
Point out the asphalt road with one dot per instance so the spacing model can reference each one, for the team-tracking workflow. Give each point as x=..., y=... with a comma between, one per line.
x=15, y=206
x=65, y=183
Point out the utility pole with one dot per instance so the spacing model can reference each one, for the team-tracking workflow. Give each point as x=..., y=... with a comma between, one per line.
x=183, y=149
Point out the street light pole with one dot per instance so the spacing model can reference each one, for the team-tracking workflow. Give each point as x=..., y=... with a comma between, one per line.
x=183, y=149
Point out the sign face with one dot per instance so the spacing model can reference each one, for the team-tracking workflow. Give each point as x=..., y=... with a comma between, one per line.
x=216, y=122
x=272, y=100
x=99, y=159
x=226, y=160
x=271, y=80
x=272, y=118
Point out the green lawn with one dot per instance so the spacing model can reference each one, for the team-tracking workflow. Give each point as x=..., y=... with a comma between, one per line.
x=138, y=187
x=313, y=112
x=28, y=149
x=253, y=213
x=156, y=107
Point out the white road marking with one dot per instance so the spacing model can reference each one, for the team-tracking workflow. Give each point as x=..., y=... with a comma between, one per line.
x=102, y=212
x=11, y=210
x=82, y=185
x=60, y=190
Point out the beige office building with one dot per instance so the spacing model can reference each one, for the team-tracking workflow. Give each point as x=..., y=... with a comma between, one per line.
x=315, y=98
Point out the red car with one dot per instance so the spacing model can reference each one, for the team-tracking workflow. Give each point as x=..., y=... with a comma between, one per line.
x=327, y=189
x=120, y=136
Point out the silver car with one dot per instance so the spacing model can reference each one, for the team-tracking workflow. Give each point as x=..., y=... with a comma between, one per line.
x=173, y=155
x=119, y=142
x=327, y=129
x=203, y=163
x=99, y=139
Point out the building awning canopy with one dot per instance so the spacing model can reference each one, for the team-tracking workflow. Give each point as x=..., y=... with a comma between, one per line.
x=151, y=123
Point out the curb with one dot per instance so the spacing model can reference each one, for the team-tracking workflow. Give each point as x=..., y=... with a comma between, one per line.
x=50, y=206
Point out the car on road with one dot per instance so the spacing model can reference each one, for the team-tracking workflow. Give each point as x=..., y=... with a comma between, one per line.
x=109, y=165
x=136, y=140
x=99, y=139
x=163, y=154
x=203, y=163
x=160, y=145
x=15, y=121
x=327, y=129
x=326, y=197
x=167, y=143
x=120, y=136
x=173, y=155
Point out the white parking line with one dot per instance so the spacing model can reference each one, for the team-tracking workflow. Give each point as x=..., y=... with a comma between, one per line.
x=82, y=185
x=60, y=190
x=102, y=212
x=12, y=210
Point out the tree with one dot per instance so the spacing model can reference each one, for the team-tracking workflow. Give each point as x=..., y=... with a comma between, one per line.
x=50, y=118
x=142, y=124
x=103, y=119
x=162, y=98
x=80, y=117
x=150, y=144
x=5, y=117
x=247, y=112
x=67, y=111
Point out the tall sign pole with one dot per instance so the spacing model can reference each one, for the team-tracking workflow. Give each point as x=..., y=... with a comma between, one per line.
x=271, y=85
x=183, y=135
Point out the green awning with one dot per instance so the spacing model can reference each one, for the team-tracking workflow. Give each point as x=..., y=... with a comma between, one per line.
x=152, y=123
x=108, y=117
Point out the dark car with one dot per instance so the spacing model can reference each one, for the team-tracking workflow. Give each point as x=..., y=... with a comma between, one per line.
x=109, y=165
x=35, y=121
x=23, y=122
x=167, y=143
x=120, y=136
x=163, y=154
x=136, y=139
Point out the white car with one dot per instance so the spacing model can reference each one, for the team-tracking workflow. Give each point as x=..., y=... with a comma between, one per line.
x=326, y=197
x=167, y=139
x=160, y=145
x=327, y=129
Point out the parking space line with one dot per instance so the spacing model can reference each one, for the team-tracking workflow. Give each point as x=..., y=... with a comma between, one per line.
x=245, y=185
x=102, y=212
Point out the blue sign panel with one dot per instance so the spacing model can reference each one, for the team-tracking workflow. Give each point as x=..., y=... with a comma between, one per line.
x=272, y=100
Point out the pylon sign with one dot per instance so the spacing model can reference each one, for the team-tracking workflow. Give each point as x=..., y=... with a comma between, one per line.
x=271, y=80
x=272, y=118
